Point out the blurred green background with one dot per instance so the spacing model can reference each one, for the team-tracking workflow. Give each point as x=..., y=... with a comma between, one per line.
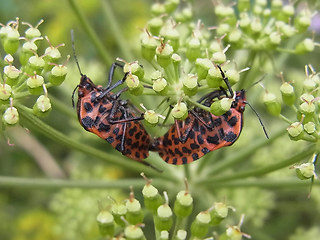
x=70, y=213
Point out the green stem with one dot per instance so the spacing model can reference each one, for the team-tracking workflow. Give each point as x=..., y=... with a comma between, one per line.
x=197, y=104
x=285, y=119
x=176, y=227
x=115, y=29
x=242, y=155
x=90, y=32
x=260, y=171
x=264, y=183
x=115, y=159
x=50, y=184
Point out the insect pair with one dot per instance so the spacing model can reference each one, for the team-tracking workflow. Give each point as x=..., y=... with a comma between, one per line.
x=113, y=119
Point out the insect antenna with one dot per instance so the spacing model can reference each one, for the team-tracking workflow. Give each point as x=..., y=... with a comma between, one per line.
x=74, y=51
x=258, y=116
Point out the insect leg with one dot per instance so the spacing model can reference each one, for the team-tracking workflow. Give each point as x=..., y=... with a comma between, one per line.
x=111, y=72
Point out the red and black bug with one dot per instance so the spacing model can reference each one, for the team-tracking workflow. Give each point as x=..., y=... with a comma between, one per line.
x=202, y=132
x=109, y=117
x=104, y=114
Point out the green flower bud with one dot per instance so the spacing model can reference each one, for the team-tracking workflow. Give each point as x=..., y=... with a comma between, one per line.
x=288, y=10
x=233, y=76
x=307, y=108
x=257, y=10
x=132, y=81
x=306, y=97
x=138, y=91
x=202, y=66
x=32, y=32
x=309, y=84
x=158, y=9
x=181, y=235
x=303, y=21
x=11, y=41
x=272, y=104
x=221, y=106
x=215, y=46
x=134, y=68
x=309, y=127
x=152, y=198
x=11, y=74
x=219, y=57
x=134, y=213
x=134, y=232
x=275, y=39
x=34, y=84
x=305, y=171
x=118, y=211
x=183, y=205
x=58, y=75
x=187, y=13
x=287, y=93
x=287, y=30
x=27, y=51
x=5, y=92
x=154, y=25
x=244, y=21
x=193, y=49
x=235, y=37
x=306, y=46
x=164, y=235
x=42, y=106
x=52, y=55
x=214, y=79
x=243, y=5
x=10, y=116
x=163, y=220
x=256, y=27
x=200, y=226
x=171, y=5
x=35, y=64
x=276, y=7
x=105, y=222
x=160, y=86
x=151, y=117
x=190, y=84
x=223, y=28
x=164, y=53
x=176, y=59
x=233, y=233
x=295, y=131
x=266, y=12
x=180, y=111
x=155, y=75
x=148, y=47
x=172, y=36
x=219, y=213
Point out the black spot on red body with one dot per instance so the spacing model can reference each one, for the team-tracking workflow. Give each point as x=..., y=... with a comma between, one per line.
x=101, y=116
x=201, y=137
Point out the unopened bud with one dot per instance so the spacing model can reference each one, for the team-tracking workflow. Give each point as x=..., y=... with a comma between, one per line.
x=184, y=204
x=11, y=116
x=180, y=111
x=5, y=92
x=305, y=171
x=272, y=103
x=105, y=222
x=221, y=106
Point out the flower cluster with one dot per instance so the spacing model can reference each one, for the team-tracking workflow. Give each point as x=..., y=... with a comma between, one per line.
x=129, y=217
x=25, y=72
x=305, y=103
x=263, y=27
x=184, y=61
